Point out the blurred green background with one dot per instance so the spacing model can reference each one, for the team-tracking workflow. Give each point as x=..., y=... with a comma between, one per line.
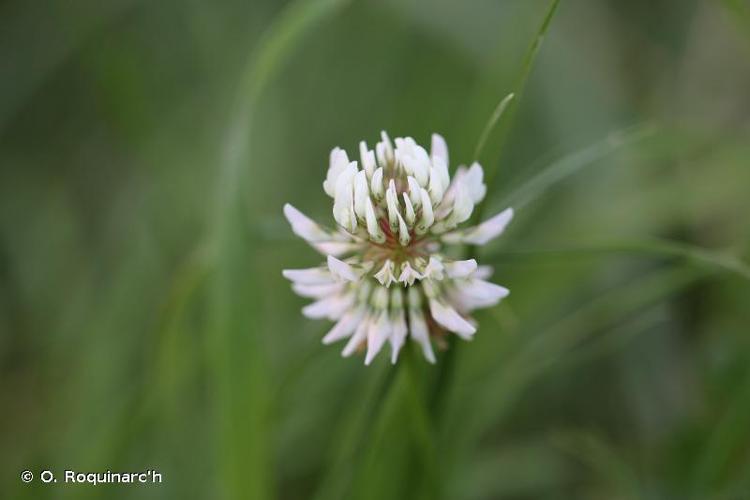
x=147, y=149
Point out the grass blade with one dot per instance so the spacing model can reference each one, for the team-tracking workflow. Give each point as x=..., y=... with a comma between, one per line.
x=243, y=408
x=356, y=432
x=573, y=163
x=650, y=247
x=515, y=97
x=505, y=109
x=499, y=111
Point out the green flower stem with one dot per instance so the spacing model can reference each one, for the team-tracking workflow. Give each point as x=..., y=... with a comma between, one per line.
x=505, y=111
x=422, y=421
x=364, y=420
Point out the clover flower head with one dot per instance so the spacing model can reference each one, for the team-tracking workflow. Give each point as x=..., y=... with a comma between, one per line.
x=387, y=276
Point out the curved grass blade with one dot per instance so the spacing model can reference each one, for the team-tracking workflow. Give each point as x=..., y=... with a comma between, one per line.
x=499, y=111
x=22, y=22
x=528, y=64
x=599, y=456
x=650, y=247
x=241, y=377
x=573, y=163
x=505, y=110
x=535, y=357
x=727, y=439
x=357, y=429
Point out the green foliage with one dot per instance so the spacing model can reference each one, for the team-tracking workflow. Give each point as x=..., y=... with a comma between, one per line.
x=147, y=149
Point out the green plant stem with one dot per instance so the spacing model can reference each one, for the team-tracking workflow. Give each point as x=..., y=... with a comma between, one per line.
x=353, y=444
x=235, y=343
x=424, y=429
x=507, y=112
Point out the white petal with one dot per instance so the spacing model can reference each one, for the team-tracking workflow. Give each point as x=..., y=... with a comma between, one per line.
x=408, y=274
x=376, y=184
x=434, y=269
x=414, y=191
x=361, y=193
x=403, y=231
x=367, y=159
x=378, y=333
x=420, y=170
x=442, y=169
x=450, y=194
x=317, y=291
x=409, y=213
x=345, y=326
x=420, y=154
x=337, y=163
x=484, y=232
x=343, y=212
x=345, y=181
x=360, y=334
x=474, y=183
x=427, y=218
x=479, y=293
x=312, y=276
x=342, y=270
x=391, y=198
x=462, y=206
x=303, y=226
x=437, y=189
x=398, y=334
x=343, y=206
x=439, y=149
x=387, y=141
x=330, y=307
x=446, y=316
x=461, y=268
x=384, y=150
x=491, y=228
x=484, y=272
x=335, y=248
x=373, y=228
x=385, y=275
x=379, y=298
x=420, y=334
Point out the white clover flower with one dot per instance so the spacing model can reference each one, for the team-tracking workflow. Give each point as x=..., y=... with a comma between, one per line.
x=385, y=277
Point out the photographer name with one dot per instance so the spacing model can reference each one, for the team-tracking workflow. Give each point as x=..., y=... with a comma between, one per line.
x=109, y=477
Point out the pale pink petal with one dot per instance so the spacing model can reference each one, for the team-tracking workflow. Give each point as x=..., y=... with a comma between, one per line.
x=478, y=293
x=337, y=164
x=377, y=334
x=312, y=276
x=360, y=335
x=342, y=270
x=484, y=232
x=398, y=334
x=304, y=227
x=330, y=307
x=446, y=316
x=317, y=291
x=484, y=272
x=474, y=182
x=420, y=334
x=461, y=268
x=345, y=327
x=335, y=248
